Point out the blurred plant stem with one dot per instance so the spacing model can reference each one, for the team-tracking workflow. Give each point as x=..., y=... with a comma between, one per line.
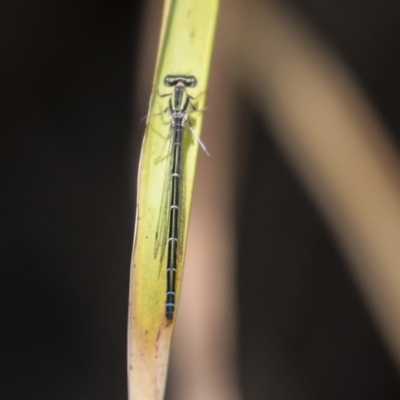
x=336, y=143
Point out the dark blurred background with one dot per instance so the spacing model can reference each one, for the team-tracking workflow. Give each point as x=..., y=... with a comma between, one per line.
x=67, y=196
x=69, y=146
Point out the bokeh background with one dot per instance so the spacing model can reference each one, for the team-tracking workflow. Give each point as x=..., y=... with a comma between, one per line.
x=73, y=90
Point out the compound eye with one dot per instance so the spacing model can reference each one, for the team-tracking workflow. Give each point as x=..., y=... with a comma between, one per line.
x=170, y=81
x=192, y=82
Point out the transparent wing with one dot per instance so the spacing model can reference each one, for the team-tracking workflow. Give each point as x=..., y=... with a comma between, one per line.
x=164, y=214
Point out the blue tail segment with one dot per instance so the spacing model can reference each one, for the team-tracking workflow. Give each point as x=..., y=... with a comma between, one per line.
x=169, y=310
x=170, y=305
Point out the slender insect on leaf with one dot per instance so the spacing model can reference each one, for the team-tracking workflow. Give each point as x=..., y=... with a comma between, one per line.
x=165, y=185
x=172, y=216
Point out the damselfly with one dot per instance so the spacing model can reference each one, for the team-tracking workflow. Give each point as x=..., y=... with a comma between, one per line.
x=171, y=219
